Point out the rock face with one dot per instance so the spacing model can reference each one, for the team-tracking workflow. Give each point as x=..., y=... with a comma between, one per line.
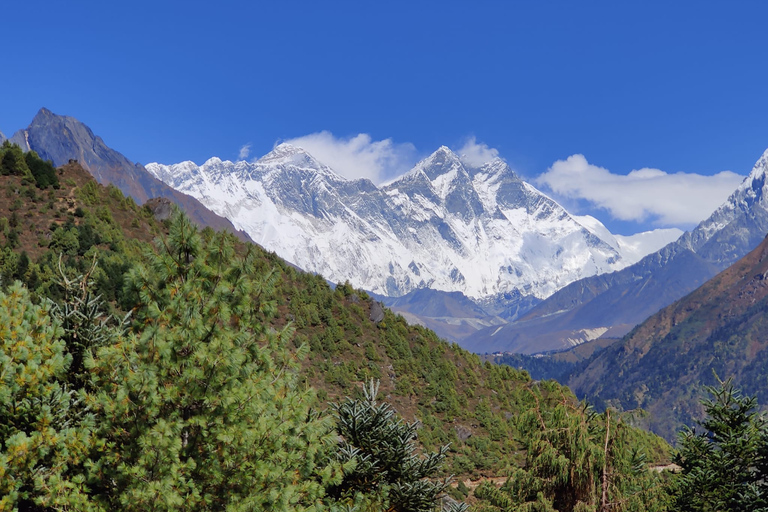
x=2, y=138
x=614, y=303
x=60, y=139
x=445, y=225
x=160, y=207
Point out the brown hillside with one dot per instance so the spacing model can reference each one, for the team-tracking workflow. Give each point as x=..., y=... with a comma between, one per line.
x=662, y=365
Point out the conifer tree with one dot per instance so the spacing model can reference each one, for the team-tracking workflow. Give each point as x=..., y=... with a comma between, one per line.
x=576, y=460
x=724, y=467
x=199, y=405
x=387, y=474
x=12, y=162
x=41, y=435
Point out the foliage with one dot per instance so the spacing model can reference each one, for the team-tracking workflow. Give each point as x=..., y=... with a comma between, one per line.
x=150, y=386
x=724, y=467
x=576, y=460
x=41, y=436
x=380, y=453
x=12, y=162
x=199, y=407
x=42, y=171
x=539, y=367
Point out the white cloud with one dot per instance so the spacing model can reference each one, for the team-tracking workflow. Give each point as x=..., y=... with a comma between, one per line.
x=679, y=199
x=359, y=156
x=244, y=152
x=476, y=154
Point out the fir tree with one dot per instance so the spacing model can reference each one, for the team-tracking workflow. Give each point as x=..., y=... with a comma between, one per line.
x=576, y=460
x=388, y=474
x=724, y=467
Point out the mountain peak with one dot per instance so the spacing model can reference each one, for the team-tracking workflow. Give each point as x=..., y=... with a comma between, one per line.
x=285, y=151
x=761, y=166
x=295, y=156
x=44, y=112
x=442, y=161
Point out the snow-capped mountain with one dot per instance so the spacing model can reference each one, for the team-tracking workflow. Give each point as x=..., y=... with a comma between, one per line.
x=444, y=225
x=614, y=303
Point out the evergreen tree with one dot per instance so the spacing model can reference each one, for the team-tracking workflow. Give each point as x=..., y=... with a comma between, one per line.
x=42, y=171
x=724, y=467
x=576, y=460
x=41, y=435
x=12, y=162
x=387, y=474
x=199, y=406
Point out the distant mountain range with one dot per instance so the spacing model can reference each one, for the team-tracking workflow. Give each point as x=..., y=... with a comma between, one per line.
x=60, y=139
x=612, y=304
x=445, y=226
x=719, y=329
x=474, y=252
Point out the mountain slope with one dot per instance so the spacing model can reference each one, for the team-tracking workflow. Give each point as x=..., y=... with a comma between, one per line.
x=444, y=225
x=616, y=302
x=455, y=397
x=663, y=364
x=61, y=138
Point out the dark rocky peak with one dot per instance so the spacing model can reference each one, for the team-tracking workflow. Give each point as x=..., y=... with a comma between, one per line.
x=21, y=139
x=62, y=138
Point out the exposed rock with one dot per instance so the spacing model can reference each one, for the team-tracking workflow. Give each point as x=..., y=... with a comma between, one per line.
x=463, y=433
x=377, y=312
x=160, y=207
x=61, y=139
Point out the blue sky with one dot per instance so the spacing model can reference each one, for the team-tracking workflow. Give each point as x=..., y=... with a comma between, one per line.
x=677, y=87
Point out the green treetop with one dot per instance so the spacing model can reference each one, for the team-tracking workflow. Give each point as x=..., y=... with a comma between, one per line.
x=41, y=435
x=200, y=405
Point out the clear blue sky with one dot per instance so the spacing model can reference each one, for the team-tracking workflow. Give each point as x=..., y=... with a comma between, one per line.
x=676, y=86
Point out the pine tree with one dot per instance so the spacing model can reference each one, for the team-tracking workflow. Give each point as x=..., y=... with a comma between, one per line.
x=41, y=434
x=724, y=467
x=199, y=406
x=387, y=474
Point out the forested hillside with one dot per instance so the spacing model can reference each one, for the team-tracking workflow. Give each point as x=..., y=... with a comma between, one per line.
x=664, y=364
x=197, y=373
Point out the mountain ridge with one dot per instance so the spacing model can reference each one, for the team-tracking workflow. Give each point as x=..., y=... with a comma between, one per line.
x=443, y=225
x=620, y=300
x=719, y=329
x=63, y=138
